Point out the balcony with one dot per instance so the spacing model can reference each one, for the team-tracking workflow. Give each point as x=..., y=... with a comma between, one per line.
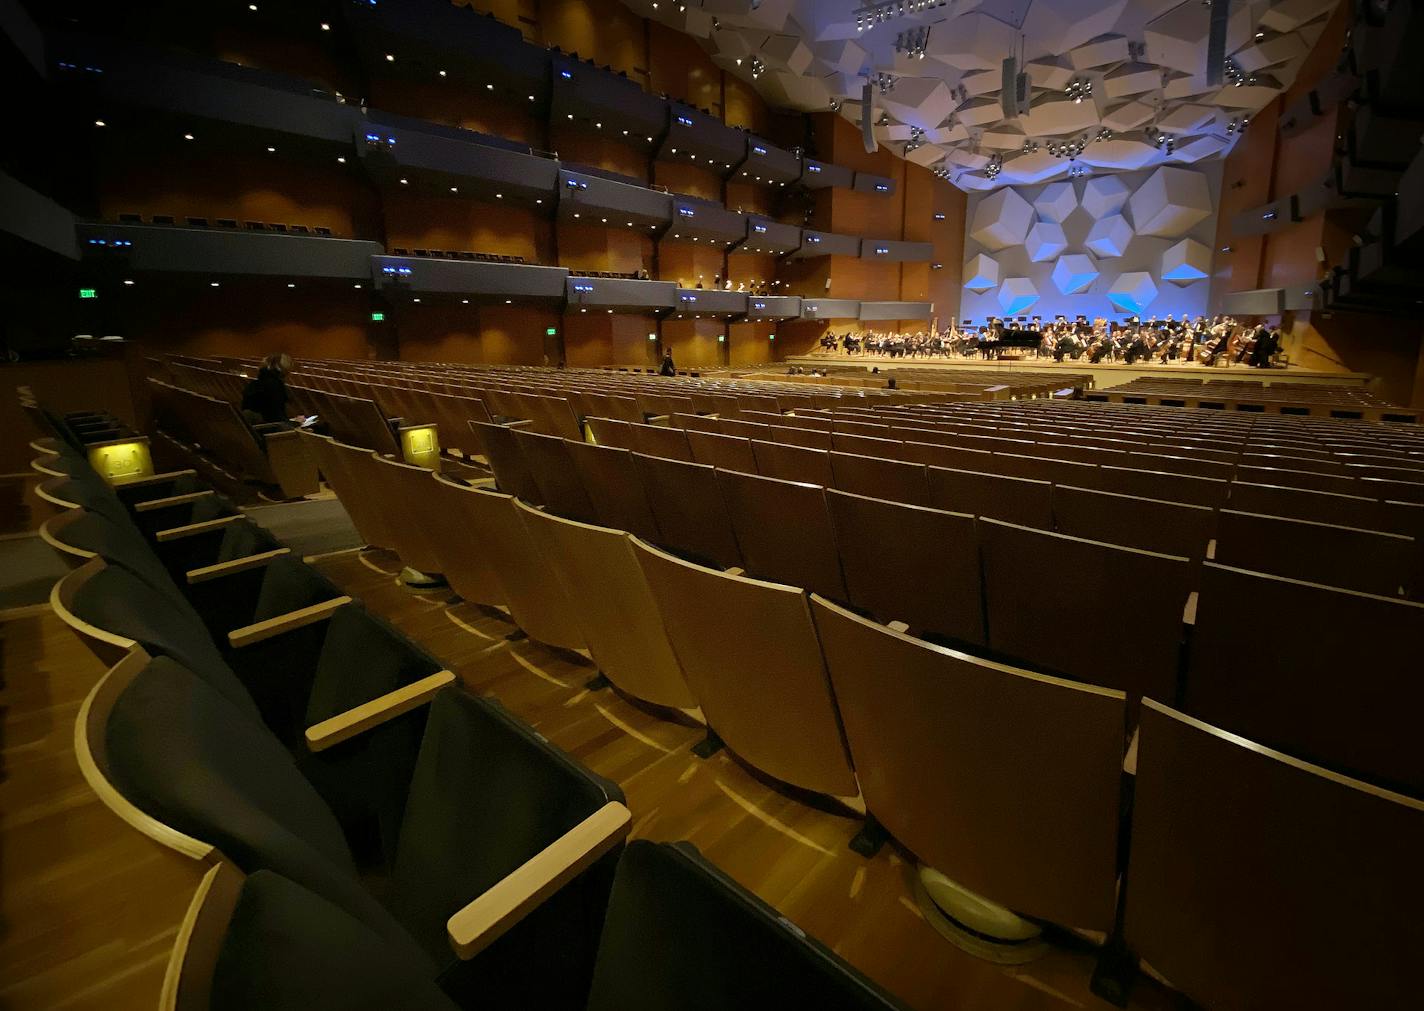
x=595, y=200
x=896, y=310
x=705, y=221
x=710, y=302
x=767, y=163
x=830, y=308
x=453, y=156
x=773, y=307
x=694, y=136
x=892, y=251
x=767, y=236
x=864, y=182
x=226, y=251
x=820, y=175
x=617, y=105
x=825, y=244
x=620, y=295
x=417, y=274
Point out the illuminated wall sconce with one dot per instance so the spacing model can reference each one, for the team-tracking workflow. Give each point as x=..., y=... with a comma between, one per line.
x=121, y=460
x=420, y=446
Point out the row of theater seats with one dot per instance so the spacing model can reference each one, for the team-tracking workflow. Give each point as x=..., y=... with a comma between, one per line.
x=211, y=434
x=377, y=837
x=935, y=742
x=230, y=224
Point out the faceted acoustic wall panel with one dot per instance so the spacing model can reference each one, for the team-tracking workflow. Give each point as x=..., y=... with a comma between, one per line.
x=1170, y=202
x=981, y=273
x=1132, y=292
x=1001, y=219
x=1016, y=295
x=1186, y=262
x=1103, y=265
x=1074, y=273
x=1045, y=241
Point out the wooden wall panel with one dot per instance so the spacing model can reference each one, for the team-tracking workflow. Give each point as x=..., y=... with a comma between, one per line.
x=422, y=220
x=693, y=342
x=751, y=343
x=468, y=105
x=682, y=70
x=604, y=31
x=744, y=107
x=576, y=145
x=685, y=177
x=687, y=263
x=591, y=246
x=1386, y=347
x=488, y=334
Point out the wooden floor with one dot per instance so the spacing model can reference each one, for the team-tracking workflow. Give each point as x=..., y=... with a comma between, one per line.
x=788, y=852
x=88, y=907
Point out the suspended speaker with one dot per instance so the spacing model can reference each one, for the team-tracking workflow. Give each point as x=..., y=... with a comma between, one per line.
x=1216, y=42
x=867, y=119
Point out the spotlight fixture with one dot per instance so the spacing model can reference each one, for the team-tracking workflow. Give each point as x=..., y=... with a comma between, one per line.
x=325, y=26
x=1078, y=89
x=883, y=81
x=995, y=166
x=1030, y=146
x=913, y=42
x=874, y=15
x=758, y=67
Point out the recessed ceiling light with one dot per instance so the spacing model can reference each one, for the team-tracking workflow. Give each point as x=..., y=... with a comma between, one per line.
x=499, y=196
x=509, y=301
x=100, y=122
x=356, y=286
x=187, y=136
x=417, y=300
x=212, y=284
x=390, y=57
x=464, y=301
x=252, y=7
x=291, y=284
x=341, y=159
x=489, y=87
x=539, y=200
x=271, y=150
x=443, y=74
x=325, y=27
x=129, y=283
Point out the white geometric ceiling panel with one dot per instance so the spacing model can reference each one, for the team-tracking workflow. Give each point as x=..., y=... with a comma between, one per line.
x=1170, y=202
x=1144, y=60
x=1045, y=241
x=1109, y=236
x=1001, y=220
x=1016, y=295
x=1074, y=273
x=1186, y=262
x=981, y=273
x=1104, y=196
x=1056, y=202
x=1132, y=292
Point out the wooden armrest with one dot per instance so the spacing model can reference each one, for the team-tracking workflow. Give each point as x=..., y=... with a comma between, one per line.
x=300, y=618
x=1211, y=550
x=177, y=533
x=172, y=500
x=220, y=569
x=518, y=423
x=898, y=626
x=735, y=570
x=1189, y=611
x=171, y=475
x=1129, y=762
x=486, y=919
x=358, y=720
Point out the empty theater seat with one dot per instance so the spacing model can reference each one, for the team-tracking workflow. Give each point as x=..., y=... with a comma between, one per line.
x=1171, y=528
x=1099, y=613
x=940, y=739
x=1366, y=560
x=1018, y=500
x=613, y=606
x=687, y=506
x=1342, y=693
x=911, y=564
x=750, y=654
x=560, y=489
x=614, y=488
x=1252, y=872
x=784, y=531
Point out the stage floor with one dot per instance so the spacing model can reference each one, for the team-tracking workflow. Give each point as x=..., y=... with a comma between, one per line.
x=1104, y=375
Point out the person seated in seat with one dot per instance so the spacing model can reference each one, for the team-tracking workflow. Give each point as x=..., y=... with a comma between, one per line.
x=264, y=399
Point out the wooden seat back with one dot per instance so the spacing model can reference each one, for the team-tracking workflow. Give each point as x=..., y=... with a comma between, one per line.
x=1012, y=499
x=1170, y=528
x=871, y=476
x=465, y=563
x=687, y=507
x=547, y=459
x=793, y=463
x=728, y=452
x=615, y=491
x=1370, y=561
x=783, y=531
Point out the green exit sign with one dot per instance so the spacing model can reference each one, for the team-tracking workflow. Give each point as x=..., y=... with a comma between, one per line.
x=378, y=317
x=551, y=331
x=88, y=293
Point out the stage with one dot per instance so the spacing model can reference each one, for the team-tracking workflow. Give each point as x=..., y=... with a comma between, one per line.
x=1104, y=375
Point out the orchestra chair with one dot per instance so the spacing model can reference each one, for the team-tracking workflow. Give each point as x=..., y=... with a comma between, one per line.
x=1003, y=783
x=687, y=506
x=1345, y=695
x=1296, y=875
x=752, y=660
x=531, y=589
x=870, y=476
x=608, y=432
x=403, y=491
x=1355, y=510
x=1188, y=488
x=718, y=945
x=661, y=441
x=560, y=490
x=1102, y=614
x=613, y=606
x=784, y=531
x=1169, y=528
x=610, y=479
x=725, y=452
x=910, y=564
x=1306, y=480
x=1018, y=500
x=506, y=460
x=787, y=462
x=794, y=435
x=1370, y=561
x=504, y=853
